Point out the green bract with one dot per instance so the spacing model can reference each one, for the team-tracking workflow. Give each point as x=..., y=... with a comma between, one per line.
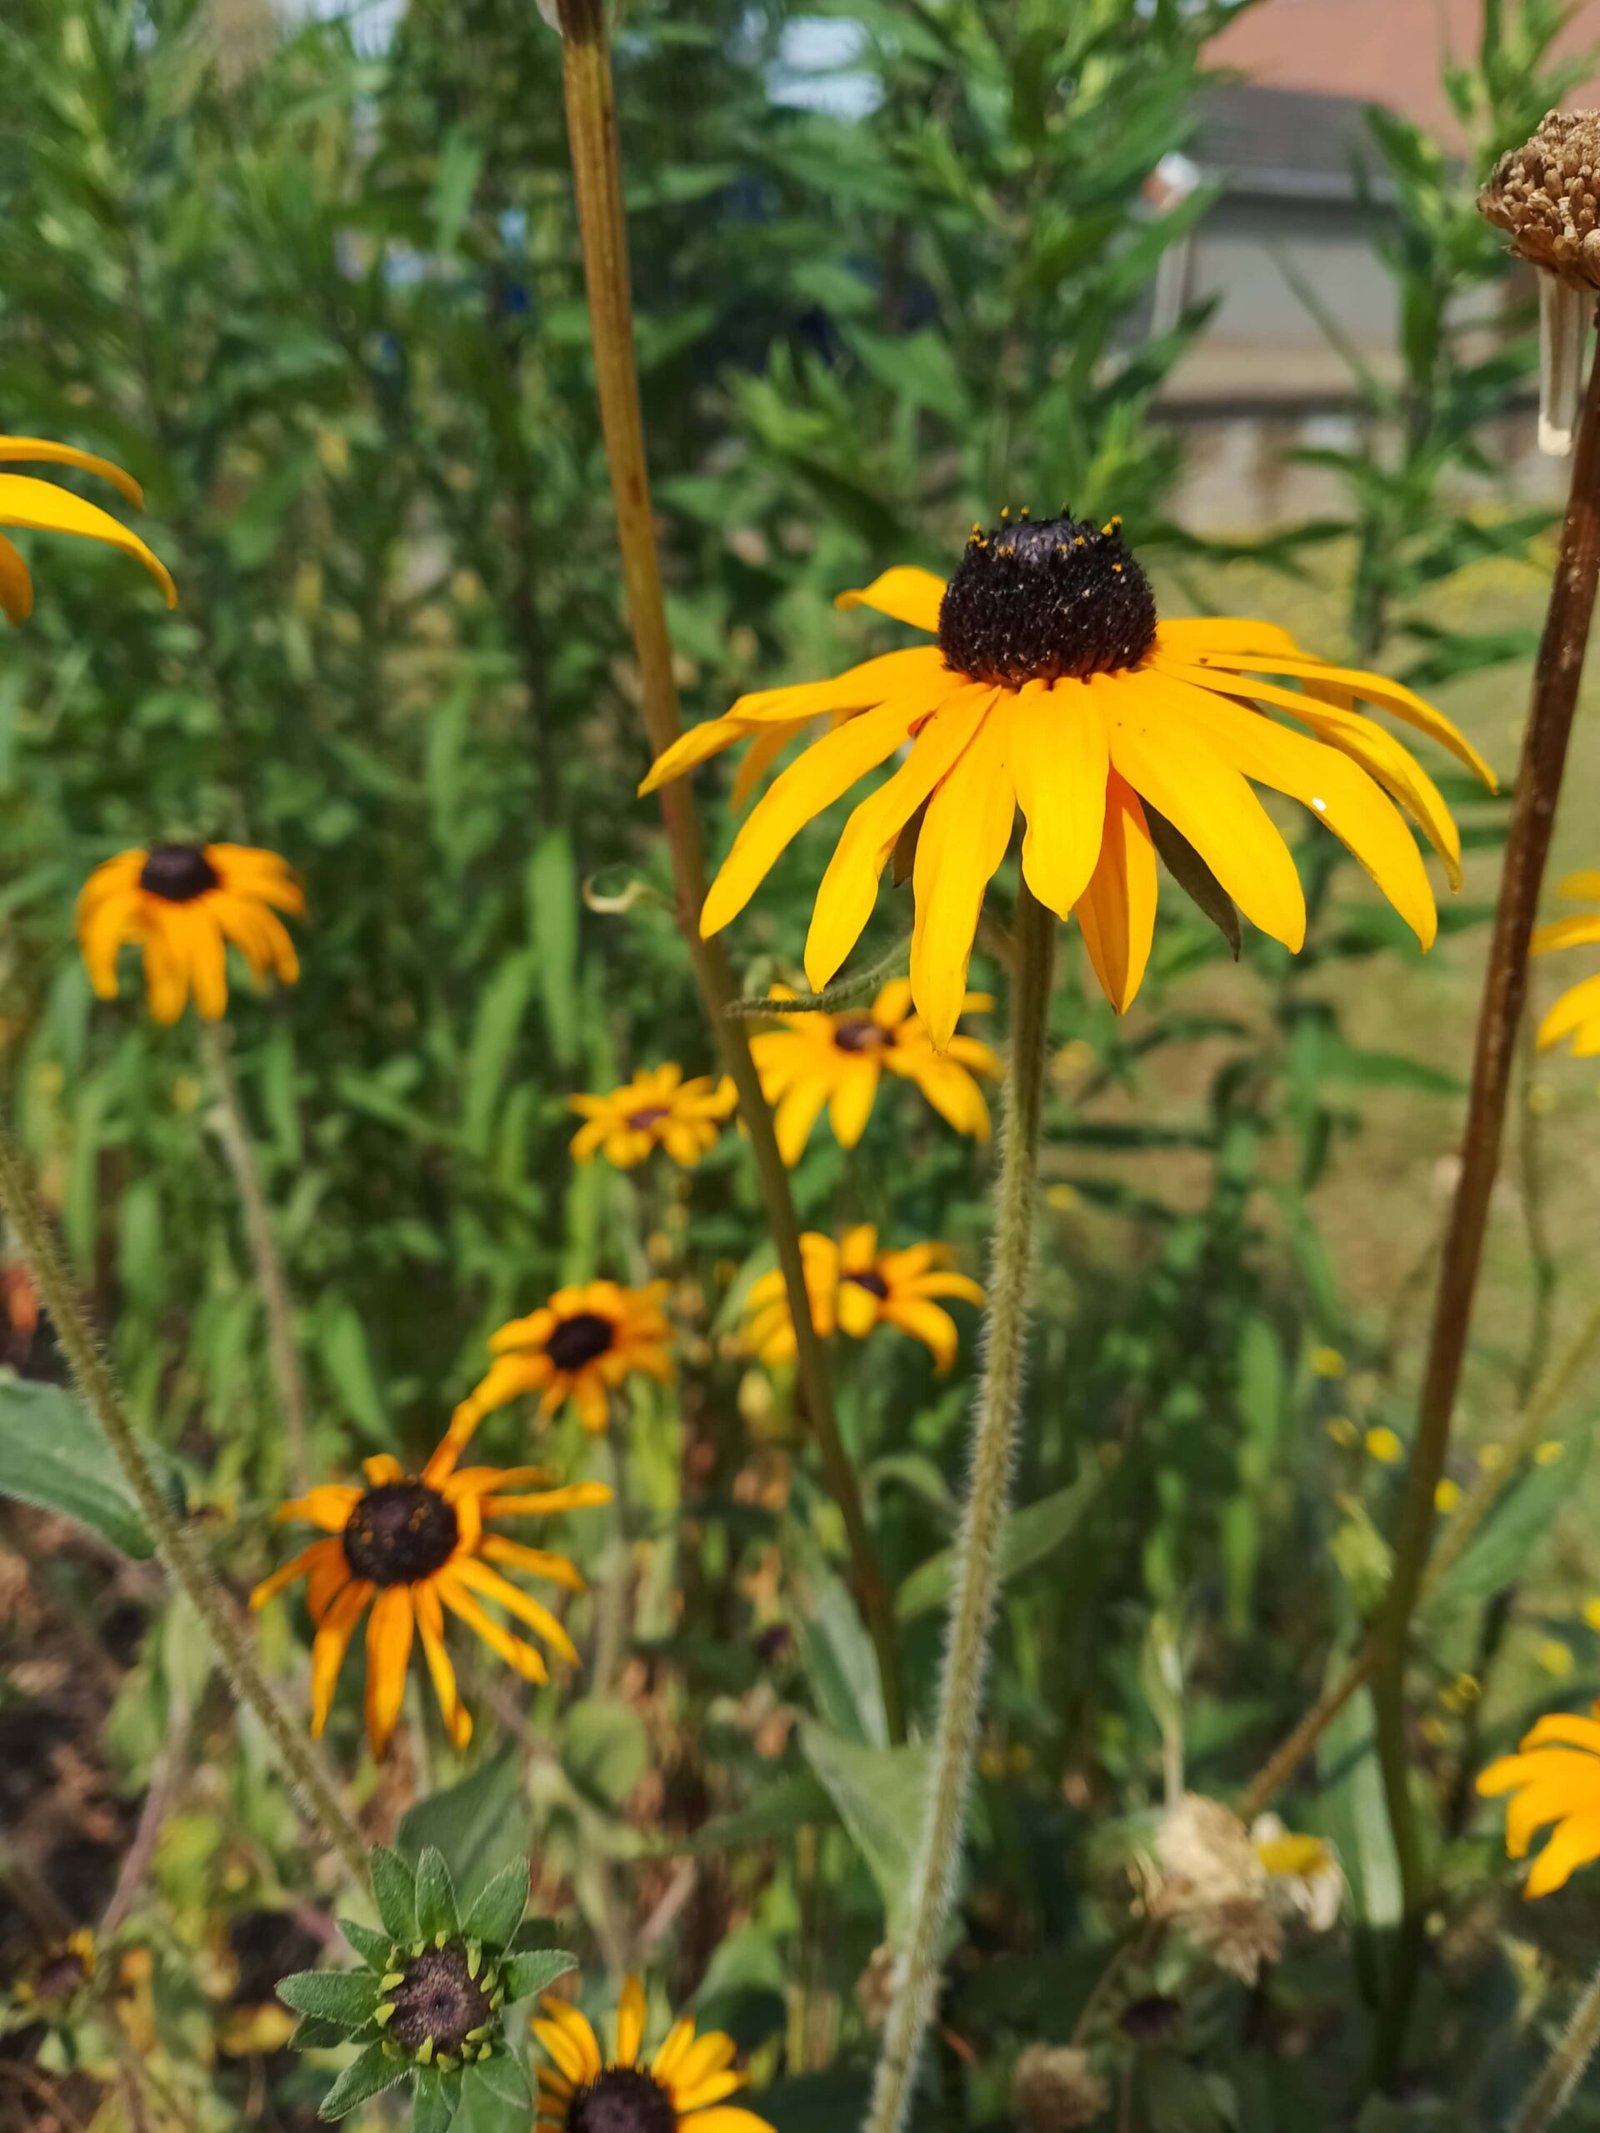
x=428, y=2006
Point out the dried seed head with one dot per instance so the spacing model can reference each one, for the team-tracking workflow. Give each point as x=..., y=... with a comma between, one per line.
x=1054, y=2088
x=1547, y=194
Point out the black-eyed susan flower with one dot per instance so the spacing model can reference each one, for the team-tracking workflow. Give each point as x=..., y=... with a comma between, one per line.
x=53, y=1982
x=39, y=506
x=182, y=904
x=854, y=1288
x=582, y=1345
x=410, y=1546
x=1554, y=1777
x=817, y=1061
x=683, y=2089
x=1577, y=1013
x=1053, y=687
x=657, y=1109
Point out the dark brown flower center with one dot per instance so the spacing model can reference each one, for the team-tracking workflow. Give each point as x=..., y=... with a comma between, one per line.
x=60, y=1976
x=177, y=873
x=859, y=1033
x=1042, y=600
x=872, y=1282
x=651, y=1115
x=579, y=1339
x=438, y=1998
x=624, y=2099
x=399, y=1533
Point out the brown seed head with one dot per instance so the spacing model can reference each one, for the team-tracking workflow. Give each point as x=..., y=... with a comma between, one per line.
x=1054, y=2089
x=1547, y=194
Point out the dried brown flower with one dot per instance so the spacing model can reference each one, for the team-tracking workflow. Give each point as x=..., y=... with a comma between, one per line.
x=1547, y=195
x=1054, y=2088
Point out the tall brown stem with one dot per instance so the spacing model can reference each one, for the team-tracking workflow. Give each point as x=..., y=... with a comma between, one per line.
x=597, y=182
x=1544, y=753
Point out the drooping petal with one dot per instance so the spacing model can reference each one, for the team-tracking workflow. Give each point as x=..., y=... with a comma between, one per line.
x=328, y=1648
x=925, y=1322
x=905, y=593
x=1206, y=800
x=964, y=837
x=1576, y=1843
x=468, y=1571
x=16, y=587
x=1059, y=759
x=630, y=2021
x=851, y=1104
x=44, y=508
x=1582, y=930
x=430, y=1630
x=849, y=887
x=496, y=1548
x=519, y=1655
x=1117, y=912
x=827, y=770
x=20, y=451
x=1574, y=1008
x=389, y=1630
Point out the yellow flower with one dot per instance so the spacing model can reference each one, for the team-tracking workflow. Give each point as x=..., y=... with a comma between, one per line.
x=854, y=1287
x=1446, y=1495
x=686, y=2084
x=657, y=1109
x=1577, y=1013
x=1555, y=1776
x=59, y=1973
x=1327, y=1363
x=835, y=1060
x=1384, y=1446
x=580, y=1346
x=1550, y=1453
x=1343, y=1431
x=183, y=904
x=39, y=506
x=1554, y=1656
x=1053, y=687
x=412, y=1545
x=1591, y=1612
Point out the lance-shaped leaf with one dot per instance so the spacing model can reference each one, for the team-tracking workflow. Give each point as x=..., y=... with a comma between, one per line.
x=347, y=1997
x=531, y=1972
x=497, y=1912
x=436, y=1896
x=394, y=1890
x=367, y=2076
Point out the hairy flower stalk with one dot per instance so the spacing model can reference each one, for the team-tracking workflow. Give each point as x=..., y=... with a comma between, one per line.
x=597, y=183
x=1544, y=751
x=233, y=1130
x=174, y=1544
x=977, y=1572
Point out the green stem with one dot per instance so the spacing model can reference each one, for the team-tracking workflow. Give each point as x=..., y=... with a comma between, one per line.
x=1557, y=673
x=597, y=185
x=174, y=1543
x=1549, y=2093
x=977, y=1568
x=283, y=1355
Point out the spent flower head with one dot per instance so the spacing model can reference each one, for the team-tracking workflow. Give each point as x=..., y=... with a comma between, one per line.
x=428, y=2005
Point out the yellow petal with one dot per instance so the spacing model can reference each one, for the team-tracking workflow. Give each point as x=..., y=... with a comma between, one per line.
x=766, y=745
x=1059, y=761
x=44, y=508
x=1206, y=800
x=16, y=587
x=328, y=1648
x=1579, y=931
x=16, y=451
x=1576, y=1843
x=630, y=2021
x=964, y=837
x=812, y=783
x=1194, y=636
x=907, y=594
x=1117, y=912
x=1585, y=884
x=707, y=739
x=388, y=1652
x=849, y=886
x=430, y=1629
x=851, y=1106
x=1579, y=1005
x=874, y=681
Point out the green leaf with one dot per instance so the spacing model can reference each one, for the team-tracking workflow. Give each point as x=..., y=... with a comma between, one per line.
x=1351, y=1810
x=437, y=2097
x=1031, y=1535
x=52, y=1454
x=347, y=1359
x=782, y=1806
x=436, y=1896
x=553, y=923
x=498, y=1909
x=312, y=2033
x=367, y=2076
x=478, y=1825
x=394, y=1890
x=879, y=1793
x=486, y=2107
x=373, y=1947
x=1499, y=1551
x=532, y=1972
x=504, y=2077
x=343, y=1996
x=604, y=1750
x=501, y=1006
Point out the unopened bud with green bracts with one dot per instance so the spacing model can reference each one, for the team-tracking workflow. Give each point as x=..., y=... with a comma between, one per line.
x=429, y=2005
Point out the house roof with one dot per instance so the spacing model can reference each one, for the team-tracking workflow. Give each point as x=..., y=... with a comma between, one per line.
x=1289, y=143
x=1376, y=51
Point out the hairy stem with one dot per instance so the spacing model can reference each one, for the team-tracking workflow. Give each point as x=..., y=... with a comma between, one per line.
x=977, y=1566
x=1557, y=673
x=175, y=1546
x=597, y=183
x=1544, y=2101
x=283, y=1355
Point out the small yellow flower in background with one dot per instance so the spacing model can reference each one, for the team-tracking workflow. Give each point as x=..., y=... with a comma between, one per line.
x=817, y=1060
x=1383, y=1445
x=1434, y=1731
x=1555, y=1776
x=853, y=1287
x=1591, y=1612
x=1492, y=1457
x=1343, y=1431
x=581, y=1345
x=1054, y=688
x=1461, y=1693
x=686, y=2085
x=1554, y=1657
x=412, y=1545
x=1446, y=1495
x=182, y=904
x=39, y=506
x=54, y=1979
x=657, y=1109
x=1550, y=1453
x=1327, y=1363
x=1577, y=1013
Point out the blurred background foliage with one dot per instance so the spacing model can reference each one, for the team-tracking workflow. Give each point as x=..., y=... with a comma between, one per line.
x=320, y=291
